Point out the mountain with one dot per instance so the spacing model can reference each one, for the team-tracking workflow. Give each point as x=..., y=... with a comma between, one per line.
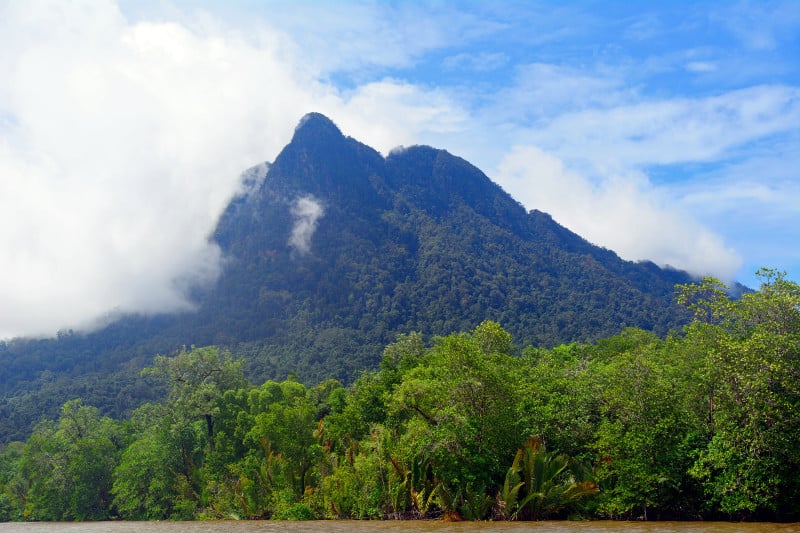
x=333, y=251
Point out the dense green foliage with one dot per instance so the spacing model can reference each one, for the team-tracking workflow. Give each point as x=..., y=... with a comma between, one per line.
x=704, y=424
x=417, y=241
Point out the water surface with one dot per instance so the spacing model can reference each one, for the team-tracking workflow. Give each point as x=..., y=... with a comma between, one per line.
x=350, y=526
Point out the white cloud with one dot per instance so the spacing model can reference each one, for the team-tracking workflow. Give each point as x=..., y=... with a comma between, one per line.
x=406, y=110
x=306, y=212
x=670, y=131
x=622, y=212
x=701, y=66
x=542, y=90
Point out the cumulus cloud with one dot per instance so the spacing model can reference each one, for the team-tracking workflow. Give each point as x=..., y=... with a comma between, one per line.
x=623, y=213
x=306, y=212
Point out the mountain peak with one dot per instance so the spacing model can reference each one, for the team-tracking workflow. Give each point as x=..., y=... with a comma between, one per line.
x=316, y=126
x=323, y=162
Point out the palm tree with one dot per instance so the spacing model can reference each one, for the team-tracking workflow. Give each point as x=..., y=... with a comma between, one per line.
x=549, y=483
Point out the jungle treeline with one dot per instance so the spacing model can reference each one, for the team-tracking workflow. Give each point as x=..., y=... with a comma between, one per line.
x=703, y=423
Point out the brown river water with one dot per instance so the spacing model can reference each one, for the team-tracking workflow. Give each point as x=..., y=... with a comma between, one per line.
x=347, y=526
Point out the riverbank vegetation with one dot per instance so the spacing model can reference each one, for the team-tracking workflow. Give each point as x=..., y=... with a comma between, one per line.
x=704, y=423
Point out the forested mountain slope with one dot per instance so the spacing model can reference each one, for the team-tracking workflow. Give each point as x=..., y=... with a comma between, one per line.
x=420, y=240
x=331, y=253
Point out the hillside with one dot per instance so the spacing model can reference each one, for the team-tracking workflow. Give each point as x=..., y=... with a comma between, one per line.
x=331, y=253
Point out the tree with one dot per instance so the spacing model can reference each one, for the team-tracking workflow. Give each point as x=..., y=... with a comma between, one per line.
x=286, y=427
x=197, y=379
x=557, y=398
x=459, y=407
x=751, y=460
x=153, y=479
x=641, y=438
x=69, y=465
x=161, y=474
x=11, y=485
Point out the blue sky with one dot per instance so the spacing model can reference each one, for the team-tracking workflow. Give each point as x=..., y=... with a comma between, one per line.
x=667, y=131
